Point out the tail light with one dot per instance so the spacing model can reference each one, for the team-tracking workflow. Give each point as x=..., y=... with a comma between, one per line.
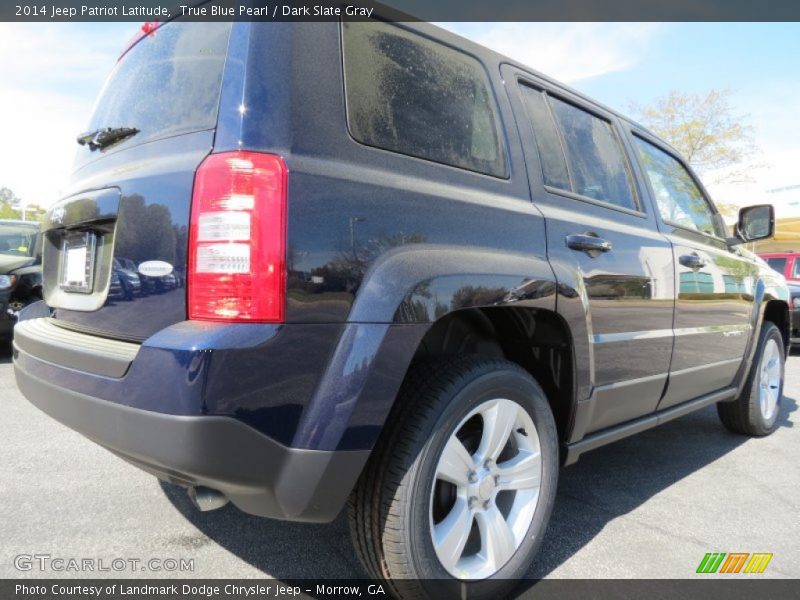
x=237, y=239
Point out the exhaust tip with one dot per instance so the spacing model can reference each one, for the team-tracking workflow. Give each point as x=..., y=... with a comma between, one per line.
x=206, y=499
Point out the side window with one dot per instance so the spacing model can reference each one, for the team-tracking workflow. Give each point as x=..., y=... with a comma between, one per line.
x=551, y=154
x=679, y=200
x=779, y=264
x=414, y=96
x=595, y=157
x=796, y=269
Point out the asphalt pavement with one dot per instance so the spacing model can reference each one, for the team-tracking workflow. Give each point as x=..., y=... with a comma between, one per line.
x=649, y=506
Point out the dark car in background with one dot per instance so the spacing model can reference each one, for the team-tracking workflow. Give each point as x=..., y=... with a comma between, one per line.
x=420, y=278
x=20, y=270
x=115, y=289
x=129, y=280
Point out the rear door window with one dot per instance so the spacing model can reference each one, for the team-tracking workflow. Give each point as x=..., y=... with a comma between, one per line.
x=551, y=153
x=414, y=96
x=579, y=152
x=595, y=157
x=168, y=83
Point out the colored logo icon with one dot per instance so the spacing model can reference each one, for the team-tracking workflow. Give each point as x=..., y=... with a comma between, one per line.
x=734, y=562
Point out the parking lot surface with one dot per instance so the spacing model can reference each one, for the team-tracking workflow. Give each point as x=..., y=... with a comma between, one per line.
x=649, y=506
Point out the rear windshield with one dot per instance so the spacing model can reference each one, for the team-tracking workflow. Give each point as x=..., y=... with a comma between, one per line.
x=17, y=240
x=168, y=83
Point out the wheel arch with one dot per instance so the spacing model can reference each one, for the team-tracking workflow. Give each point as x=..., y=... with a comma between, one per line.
x=538, y=340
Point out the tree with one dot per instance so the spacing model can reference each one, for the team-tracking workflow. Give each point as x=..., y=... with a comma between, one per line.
x=11, y=207
x=7, y=196
x=8, y=200
x=704, y=128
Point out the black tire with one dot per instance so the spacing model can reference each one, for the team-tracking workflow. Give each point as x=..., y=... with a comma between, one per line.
x=744, y=415
x=389, y=511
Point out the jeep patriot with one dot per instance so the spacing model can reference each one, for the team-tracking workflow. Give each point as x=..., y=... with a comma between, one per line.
x=420, y=277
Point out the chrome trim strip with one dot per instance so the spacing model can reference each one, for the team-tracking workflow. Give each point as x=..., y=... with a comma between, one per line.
x=627, y=336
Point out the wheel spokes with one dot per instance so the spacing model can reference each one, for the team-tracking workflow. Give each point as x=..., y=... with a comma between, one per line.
x=451, y=534
x=521, y=472
x=498, y=422
x=475, y=537
x=770, y=379
x=455, y=464
x=497, y=539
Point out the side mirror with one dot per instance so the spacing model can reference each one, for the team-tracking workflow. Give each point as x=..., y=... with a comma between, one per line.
x=755, y=223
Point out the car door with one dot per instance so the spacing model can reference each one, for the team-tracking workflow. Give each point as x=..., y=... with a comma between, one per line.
x=715, y=283
x=614, y=267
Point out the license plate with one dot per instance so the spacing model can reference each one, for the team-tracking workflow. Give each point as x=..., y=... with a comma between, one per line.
x=77, y=263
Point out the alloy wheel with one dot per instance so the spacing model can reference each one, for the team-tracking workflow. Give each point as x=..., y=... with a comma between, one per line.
x=486, y=489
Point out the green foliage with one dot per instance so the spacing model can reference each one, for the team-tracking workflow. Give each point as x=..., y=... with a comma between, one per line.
x=8, y=200
x=7, y=212
x=705, y=130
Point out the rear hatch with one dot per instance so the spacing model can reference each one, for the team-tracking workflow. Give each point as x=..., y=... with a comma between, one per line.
x=130, y=195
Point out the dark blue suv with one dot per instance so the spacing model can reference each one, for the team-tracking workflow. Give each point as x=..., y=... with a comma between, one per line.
x=419, y=277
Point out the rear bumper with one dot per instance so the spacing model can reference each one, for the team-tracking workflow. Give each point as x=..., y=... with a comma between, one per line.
x=146, y=406
x=256, y=473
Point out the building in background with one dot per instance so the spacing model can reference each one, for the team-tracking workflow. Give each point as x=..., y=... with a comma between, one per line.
x=786, y=201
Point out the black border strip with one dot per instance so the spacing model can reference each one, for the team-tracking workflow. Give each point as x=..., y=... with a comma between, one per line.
x=402, y=10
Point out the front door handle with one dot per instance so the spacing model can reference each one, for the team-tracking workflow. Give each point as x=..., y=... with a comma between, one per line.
x=693, y=261
x=589, y=243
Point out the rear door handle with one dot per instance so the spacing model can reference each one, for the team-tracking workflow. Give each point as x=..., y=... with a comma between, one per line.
x=693, y=261
x=589, y=243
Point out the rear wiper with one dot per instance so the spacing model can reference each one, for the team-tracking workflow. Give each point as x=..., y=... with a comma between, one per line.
x=100, y=138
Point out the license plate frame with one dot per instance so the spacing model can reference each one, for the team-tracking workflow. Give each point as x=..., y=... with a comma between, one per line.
x=76, y=271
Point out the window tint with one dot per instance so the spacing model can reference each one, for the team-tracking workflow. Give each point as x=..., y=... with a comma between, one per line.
x=678, y=198
x=778, y=264
x=417, y=97
x=595, y=157
x=796, y=269
x=551, y=154
x=168, y=83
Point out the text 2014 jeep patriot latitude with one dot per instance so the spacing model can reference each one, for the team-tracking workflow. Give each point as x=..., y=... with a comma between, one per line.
x=397, y=271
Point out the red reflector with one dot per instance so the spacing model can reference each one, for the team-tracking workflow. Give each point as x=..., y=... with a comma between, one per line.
x=147, y=28
x=237, y=239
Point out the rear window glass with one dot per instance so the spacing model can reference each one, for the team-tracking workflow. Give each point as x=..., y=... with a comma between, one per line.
x=17, y=240
x=414, y=96
x=777, y=264
x=594, y=155
x=168, y=83
x=551, y=154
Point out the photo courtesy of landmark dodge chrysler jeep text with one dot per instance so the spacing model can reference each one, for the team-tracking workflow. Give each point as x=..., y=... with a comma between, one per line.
x=419, y=278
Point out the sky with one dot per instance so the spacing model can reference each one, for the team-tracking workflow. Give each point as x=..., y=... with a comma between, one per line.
x=52, y=72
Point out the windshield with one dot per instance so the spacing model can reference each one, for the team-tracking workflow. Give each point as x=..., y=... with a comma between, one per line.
x=17, y=240
x=167, y=84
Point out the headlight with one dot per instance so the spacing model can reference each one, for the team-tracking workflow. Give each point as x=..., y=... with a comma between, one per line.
x=6, y=281
x=796, y=302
